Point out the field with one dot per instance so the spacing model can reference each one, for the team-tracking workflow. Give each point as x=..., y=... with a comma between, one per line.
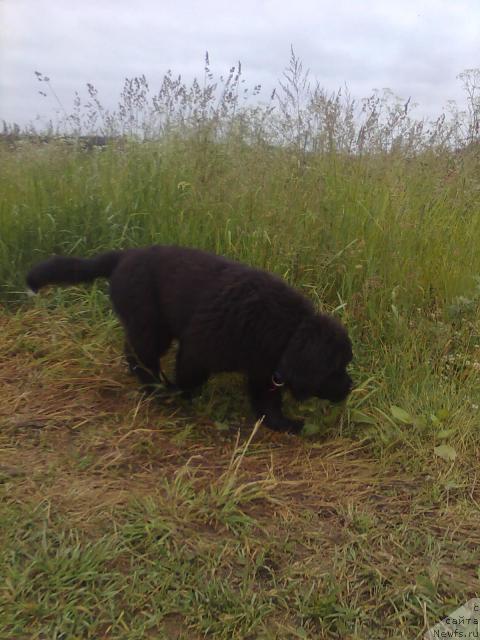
x=124, y=518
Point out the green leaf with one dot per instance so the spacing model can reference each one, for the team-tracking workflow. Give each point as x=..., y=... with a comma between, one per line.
x=221, y=426
x=451, y=484
x=443, y=414
x=426, y=585
x=310, y=429
x=445, y=433
x=401, y=415
x=446, y=452
x=332, y=416
x=420, y=422
x=362, y=418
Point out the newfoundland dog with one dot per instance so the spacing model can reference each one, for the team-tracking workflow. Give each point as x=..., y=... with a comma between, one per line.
x=225, y=315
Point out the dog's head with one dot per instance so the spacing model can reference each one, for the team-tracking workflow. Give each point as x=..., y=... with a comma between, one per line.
x=316, y=359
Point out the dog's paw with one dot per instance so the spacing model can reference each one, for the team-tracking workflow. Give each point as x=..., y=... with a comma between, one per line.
x=294, y=426
x=284, y=425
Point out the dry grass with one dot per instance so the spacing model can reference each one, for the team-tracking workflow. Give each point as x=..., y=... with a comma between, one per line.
x=300, y=538
x=55, y=406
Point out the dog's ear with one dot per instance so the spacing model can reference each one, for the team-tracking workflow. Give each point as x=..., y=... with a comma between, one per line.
x=319, y=346
x=307, y=353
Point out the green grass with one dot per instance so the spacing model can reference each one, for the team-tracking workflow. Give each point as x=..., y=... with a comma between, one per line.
x=121, y=519
x=254, y=551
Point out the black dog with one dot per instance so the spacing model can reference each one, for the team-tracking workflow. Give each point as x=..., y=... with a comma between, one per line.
x=226, y=316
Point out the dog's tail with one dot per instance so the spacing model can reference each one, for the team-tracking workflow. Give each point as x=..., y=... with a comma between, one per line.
x=67, y=270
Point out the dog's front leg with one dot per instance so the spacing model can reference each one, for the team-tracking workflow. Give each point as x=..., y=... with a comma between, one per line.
x=266, y=400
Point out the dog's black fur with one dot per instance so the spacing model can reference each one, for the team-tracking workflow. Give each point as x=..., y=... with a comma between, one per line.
x=225, y=315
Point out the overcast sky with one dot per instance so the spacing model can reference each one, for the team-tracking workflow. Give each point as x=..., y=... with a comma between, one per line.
x=414, y=47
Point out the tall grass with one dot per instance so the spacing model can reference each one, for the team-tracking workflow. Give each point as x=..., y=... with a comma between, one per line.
x=372, y=230
x=376, y=219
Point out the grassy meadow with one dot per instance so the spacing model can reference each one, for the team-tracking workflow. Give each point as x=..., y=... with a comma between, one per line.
x=126, y=518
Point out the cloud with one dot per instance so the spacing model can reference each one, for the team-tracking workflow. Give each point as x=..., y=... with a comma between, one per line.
x=416, y=47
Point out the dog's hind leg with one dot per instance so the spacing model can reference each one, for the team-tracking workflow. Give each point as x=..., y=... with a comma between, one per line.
x=149, y=375
x=190, y=374
x=143, y=358
x=145, y=369
x=147, y=340
x=147, y=333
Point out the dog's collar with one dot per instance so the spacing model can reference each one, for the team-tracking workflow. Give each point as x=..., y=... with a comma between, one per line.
x=277, y=381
